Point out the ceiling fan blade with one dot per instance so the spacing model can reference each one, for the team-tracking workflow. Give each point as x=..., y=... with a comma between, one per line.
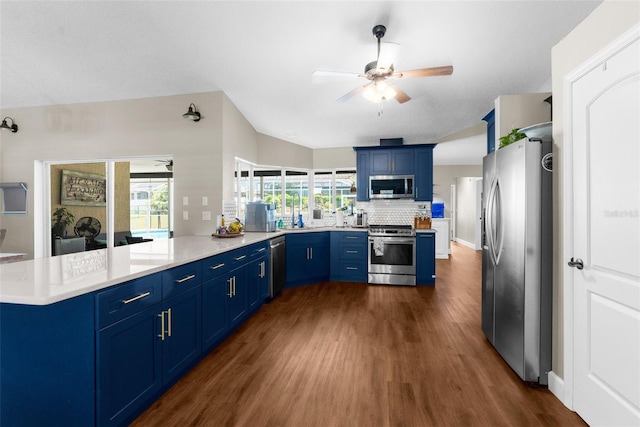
x=322, y=73
x=388, y=53
x=401, y=96
x=353, y=93
x=425, y=72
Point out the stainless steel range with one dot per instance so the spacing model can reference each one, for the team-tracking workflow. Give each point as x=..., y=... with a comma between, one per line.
x=392, y=255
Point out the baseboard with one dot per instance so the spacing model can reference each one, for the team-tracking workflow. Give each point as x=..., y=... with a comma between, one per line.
x=465, y=243
x=556, y=386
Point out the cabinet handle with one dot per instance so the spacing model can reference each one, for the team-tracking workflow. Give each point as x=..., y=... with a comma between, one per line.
x=311, y=252
x=262, y=272
x=352, y=252
x=169, y=322
x=230, y=294
x=161, y=316
x=234, y=286
x=351, y=237
x=240, y=257
x=184, y=279
x=352, y=268
x=262, y=249
x=307, y=253
x=127, y=301
x=215, y=267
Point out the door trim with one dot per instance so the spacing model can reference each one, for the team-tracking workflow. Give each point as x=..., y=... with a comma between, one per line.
x=564, y=387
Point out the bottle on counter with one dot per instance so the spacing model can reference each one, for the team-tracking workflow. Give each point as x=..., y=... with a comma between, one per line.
x=280, y=223
x=222, y=221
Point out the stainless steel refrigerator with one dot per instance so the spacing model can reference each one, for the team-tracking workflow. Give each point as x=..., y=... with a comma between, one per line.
x=517, y=254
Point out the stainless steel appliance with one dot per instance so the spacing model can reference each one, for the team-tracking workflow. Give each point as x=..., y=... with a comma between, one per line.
x=391, y=187
x=516, y=256
x=392, y=255
x=360, y=219
x=278, y=277
x=260, y=216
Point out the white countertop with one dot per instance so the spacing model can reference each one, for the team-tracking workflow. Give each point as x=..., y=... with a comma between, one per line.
x=45, y=281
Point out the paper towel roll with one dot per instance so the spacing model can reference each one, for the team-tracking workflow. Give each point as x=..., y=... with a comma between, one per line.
x=339, y=219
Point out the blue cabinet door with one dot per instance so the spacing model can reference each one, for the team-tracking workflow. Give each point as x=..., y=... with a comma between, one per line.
x=129, y=369
x=379, y=162
x=424, y=173
x=238, y=301
x=296, y=251
x=258, y=283
x=402, y=161
x=307, y=258
x=426, y=258
x=362, y=176
x=182, y=335
x=215, y=316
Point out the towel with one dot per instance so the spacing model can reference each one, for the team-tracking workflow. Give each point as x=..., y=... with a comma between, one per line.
x=378, y=246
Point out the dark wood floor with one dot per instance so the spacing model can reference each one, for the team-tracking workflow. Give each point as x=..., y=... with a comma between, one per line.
x=347, y=354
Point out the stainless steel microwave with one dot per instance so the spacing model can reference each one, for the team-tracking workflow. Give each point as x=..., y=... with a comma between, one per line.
x=391, y=187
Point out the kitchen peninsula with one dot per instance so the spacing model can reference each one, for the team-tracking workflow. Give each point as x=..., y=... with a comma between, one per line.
x=93, y=338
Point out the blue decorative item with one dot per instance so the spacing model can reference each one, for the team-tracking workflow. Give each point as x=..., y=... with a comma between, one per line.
x=437, y=210
x=300, y=223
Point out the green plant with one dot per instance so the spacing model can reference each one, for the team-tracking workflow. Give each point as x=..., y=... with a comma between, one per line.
x=513, y=136
x=61, y=218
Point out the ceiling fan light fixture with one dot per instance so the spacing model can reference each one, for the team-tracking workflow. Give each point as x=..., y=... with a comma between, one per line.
x=192, y=113
x=379, y=91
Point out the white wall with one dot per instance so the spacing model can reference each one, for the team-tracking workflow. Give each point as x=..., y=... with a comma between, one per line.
x=445, y=176
x=466, y=209
x=606, y=23
x=519, y=111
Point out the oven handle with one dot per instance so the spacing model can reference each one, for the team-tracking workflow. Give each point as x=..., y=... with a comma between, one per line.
x=387, y=239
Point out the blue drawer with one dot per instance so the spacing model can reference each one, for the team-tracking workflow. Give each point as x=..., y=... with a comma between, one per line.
x=238, y=257
x=352, y=271
x=124, y=300
x=215, y=266
x=357, y=251
x=181, y=279
x=351, y=236
x=258, y=250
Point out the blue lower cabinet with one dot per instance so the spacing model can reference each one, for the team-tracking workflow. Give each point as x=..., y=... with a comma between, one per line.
x=238, y=298
x=349, y=256
x=129, y=366
x=47, y=368
x=307, y=258
x=426, y=258
x=215, y=316
x=182, y=336
x=258, y=282
x=145, y=348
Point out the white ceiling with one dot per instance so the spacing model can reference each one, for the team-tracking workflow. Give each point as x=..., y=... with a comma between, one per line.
x=262, y=54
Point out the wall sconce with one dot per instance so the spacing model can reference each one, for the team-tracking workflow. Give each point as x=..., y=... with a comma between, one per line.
x=192, y=114
x=13, y=128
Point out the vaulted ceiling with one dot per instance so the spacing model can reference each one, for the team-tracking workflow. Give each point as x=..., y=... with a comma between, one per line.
x=262, y=55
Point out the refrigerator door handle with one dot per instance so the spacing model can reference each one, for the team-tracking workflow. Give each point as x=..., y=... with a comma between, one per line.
x=490, y=221
x=498, y=241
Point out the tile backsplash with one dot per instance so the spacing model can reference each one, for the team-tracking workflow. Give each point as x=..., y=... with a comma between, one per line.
x=383, y=212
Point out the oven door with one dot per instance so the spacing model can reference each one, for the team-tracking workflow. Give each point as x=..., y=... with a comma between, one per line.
x=392, y=255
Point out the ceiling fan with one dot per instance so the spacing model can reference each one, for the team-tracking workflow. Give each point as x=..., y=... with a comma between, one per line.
x=380, y=71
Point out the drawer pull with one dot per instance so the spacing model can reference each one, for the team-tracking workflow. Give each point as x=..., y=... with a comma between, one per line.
x=184, y=279
x=169, y=322
x=127, y=301
x=352, y=268
x=261, y=250
x=352, y=252
x=240, y=257
x=351, y=237
x=161, y=334
x=215, y=267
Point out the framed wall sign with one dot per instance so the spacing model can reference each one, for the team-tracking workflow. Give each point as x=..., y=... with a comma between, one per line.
x=79, y=188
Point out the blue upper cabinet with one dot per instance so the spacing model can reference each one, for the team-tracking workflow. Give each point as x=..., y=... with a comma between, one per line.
x=424, y=173
x=414, y=160
x=491, y=131
x=362, y=166
x=392, y=161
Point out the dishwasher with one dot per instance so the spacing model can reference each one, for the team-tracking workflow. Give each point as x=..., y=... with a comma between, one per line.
x=278, y=278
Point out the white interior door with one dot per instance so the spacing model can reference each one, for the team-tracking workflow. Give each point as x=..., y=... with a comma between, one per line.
x=606, y=239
